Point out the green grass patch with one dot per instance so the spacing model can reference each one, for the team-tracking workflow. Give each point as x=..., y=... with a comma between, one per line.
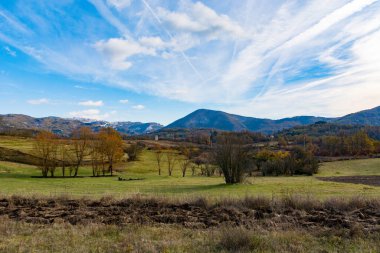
x=18, y=143
x=16, y=179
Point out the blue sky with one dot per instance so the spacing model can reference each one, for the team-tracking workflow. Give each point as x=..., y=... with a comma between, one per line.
x=150, y=60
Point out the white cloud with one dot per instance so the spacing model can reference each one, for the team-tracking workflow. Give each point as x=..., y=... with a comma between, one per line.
x=119, y=4
x=124, y=101
x=90, y=114
x=138, y=107
x=259, y=58
x=118, y=50
x=153, y=42
x=40, y=101
x=91, y=103
x=203, y=20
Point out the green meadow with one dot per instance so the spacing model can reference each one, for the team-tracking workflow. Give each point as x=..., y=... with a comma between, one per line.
x=16, y=179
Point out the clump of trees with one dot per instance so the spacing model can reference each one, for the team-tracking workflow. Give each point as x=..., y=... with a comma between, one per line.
x=102, y=150
x=353, y=145
x=296, y=162
x=134, y=151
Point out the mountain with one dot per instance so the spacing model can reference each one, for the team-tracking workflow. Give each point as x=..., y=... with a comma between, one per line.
x=369, y=117
x=230, y=122
x=199, y=119
x=65, y=127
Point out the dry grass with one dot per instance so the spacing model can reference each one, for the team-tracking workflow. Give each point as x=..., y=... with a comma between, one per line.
x=23, y=237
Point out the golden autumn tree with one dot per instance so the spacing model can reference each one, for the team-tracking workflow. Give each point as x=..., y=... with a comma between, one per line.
x=112, y=146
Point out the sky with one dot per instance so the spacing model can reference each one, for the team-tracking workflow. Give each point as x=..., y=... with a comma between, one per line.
x=158, y=60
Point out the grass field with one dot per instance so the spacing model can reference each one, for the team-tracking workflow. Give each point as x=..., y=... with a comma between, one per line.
x=19, y=143
x=16, y=179
x=19, y=236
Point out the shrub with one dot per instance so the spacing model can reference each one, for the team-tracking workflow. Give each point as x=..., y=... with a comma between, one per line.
x=134, y=151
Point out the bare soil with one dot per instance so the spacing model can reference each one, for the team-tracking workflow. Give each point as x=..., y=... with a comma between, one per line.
x=197, y=214
x=367, y=180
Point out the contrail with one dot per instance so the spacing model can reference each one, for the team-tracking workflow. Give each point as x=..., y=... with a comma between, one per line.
x=171, y=37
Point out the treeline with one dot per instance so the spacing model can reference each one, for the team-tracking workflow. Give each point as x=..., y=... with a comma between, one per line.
x=233, y=157
x=199, y=136
x=102, y=150
x=355, y=144
x=321, y=129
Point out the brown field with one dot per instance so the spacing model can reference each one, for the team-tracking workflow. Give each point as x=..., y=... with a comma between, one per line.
x=249, y=212
x=366, y=180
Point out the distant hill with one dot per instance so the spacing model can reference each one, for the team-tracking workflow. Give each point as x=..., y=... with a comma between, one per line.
x=65, y=127
x=320, y=129
x=230, y=122
x=199, y=119
x=369, y=117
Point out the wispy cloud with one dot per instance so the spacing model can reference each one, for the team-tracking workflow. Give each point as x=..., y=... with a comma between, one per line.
x=117, y=51
x=119, y=4
x=260, y=58
x=40, y=101
x=138, y=107
x=10, y=51
x=124, y=101
x=91, y=103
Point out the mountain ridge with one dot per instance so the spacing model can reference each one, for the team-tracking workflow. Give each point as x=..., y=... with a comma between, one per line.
x=199, y=119
x=65, y=126
x=204, y=118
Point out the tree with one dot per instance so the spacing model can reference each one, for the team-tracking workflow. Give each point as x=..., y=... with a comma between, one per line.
x=64, y=155
x=171, y=160
x=184, y=164
x=45, y=147
x=158, y=155
x=112, y=146
x=231, y=157
x=80, y=141
x=97, y=156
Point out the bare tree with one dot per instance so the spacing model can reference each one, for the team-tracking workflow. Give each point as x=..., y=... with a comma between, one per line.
x=81, y=138
x=184, y=164
x=45, y=147
x=64, y=155
x=193, y=169
x=96, y=156
x=171, y=160
x=158, y=155
x=231, y=157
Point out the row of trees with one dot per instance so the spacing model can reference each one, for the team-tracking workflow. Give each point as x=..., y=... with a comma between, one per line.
x=356, y=144
x=102, y=150
x=232, y=158
x=343, y=144
x=171, y=159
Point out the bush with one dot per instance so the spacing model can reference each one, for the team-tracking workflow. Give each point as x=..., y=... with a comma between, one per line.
x=297, y=162
x=134, y=151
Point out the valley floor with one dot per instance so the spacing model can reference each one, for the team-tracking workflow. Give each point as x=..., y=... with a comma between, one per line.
x=321, y=213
